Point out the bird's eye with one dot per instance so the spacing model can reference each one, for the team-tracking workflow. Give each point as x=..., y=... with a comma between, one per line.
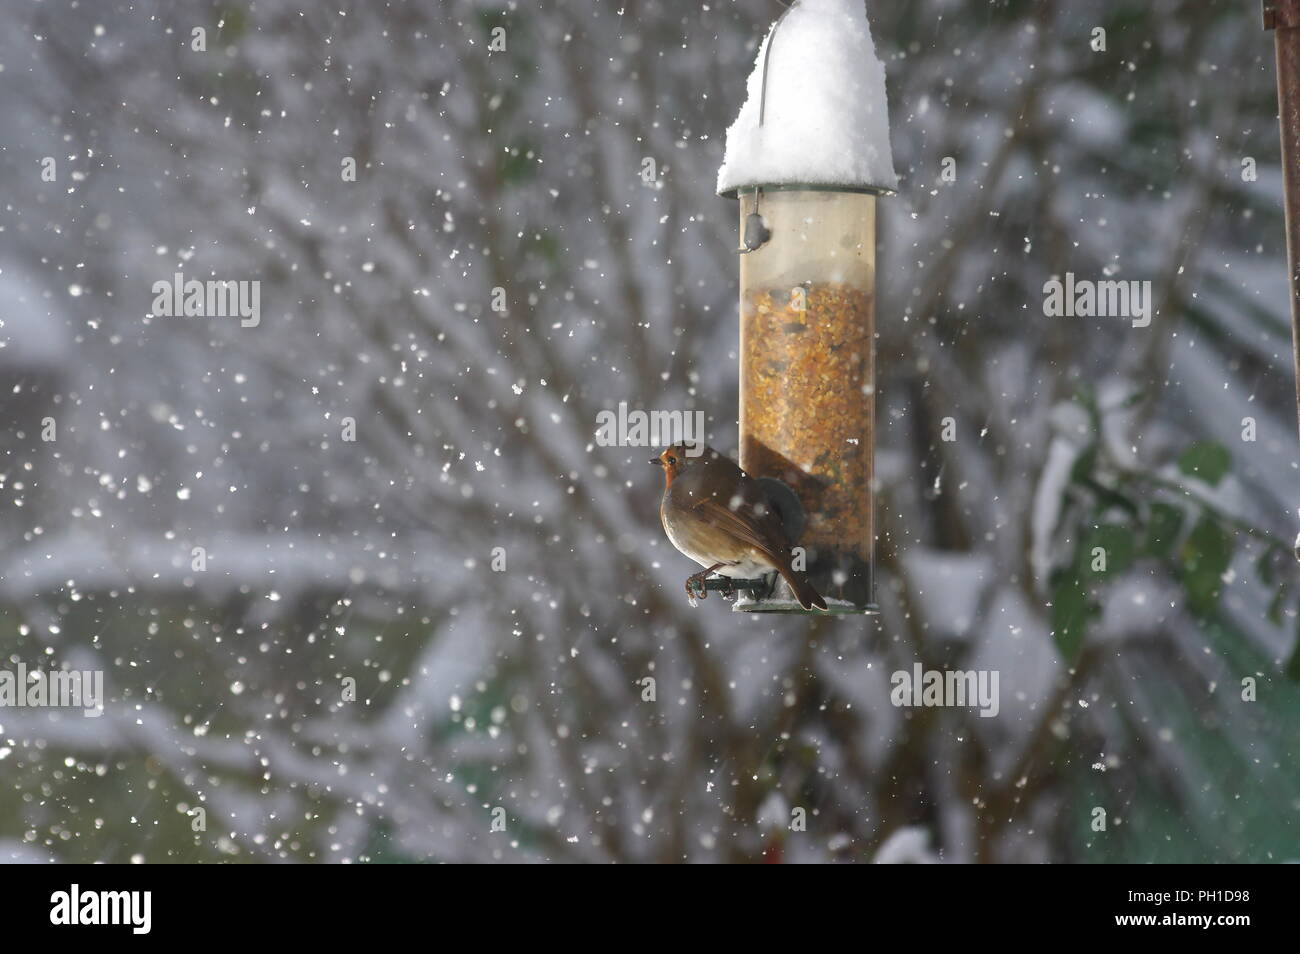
x=672, y=461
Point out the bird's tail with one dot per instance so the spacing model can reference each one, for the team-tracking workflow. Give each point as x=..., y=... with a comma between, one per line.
x=802, y=589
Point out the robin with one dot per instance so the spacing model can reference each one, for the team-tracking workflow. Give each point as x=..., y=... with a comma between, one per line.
x=720, y=517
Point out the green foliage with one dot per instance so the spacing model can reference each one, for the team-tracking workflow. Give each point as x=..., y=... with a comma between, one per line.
x=1163, y=524
x=1207, y=461
x=517, y=165
x=1276, y=568
x=1113, y=545
x=233, y=22
x=1104, y=552
x=489, y=18
x=1119, y=517
x=1217, y=823
x=1293, y=664
x=1072, y=610
x=1204, y=559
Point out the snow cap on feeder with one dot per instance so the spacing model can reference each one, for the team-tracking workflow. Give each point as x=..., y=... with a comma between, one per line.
x=820, y=118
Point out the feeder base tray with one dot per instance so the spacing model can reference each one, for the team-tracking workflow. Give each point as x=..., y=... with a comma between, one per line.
x=791, y=607
x=758, y=596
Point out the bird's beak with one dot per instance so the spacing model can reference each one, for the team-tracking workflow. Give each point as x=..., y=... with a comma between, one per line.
x=656, y=461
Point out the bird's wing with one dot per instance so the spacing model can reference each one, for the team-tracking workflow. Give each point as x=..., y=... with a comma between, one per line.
x=743, y=522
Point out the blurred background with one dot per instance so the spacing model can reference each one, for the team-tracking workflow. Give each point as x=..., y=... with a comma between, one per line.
x=496, y=585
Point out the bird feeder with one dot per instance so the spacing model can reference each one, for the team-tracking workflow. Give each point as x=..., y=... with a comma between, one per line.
x=806, y=158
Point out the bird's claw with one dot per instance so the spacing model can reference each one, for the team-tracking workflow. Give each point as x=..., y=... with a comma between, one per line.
x=695, y=588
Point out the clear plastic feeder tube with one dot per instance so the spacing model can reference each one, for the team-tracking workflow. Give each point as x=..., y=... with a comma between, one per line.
x=807, y=379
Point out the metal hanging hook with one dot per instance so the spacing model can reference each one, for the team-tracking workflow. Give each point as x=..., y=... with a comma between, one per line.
x=757, y=233
x=767, y=56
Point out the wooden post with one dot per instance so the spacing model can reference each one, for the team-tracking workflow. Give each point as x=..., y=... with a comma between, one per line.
x=1283, y=18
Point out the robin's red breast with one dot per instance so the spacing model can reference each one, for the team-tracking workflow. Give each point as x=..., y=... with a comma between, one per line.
x=719, y=516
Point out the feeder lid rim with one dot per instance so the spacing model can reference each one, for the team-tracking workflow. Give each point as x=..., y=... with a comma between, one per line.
x=734, y=191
